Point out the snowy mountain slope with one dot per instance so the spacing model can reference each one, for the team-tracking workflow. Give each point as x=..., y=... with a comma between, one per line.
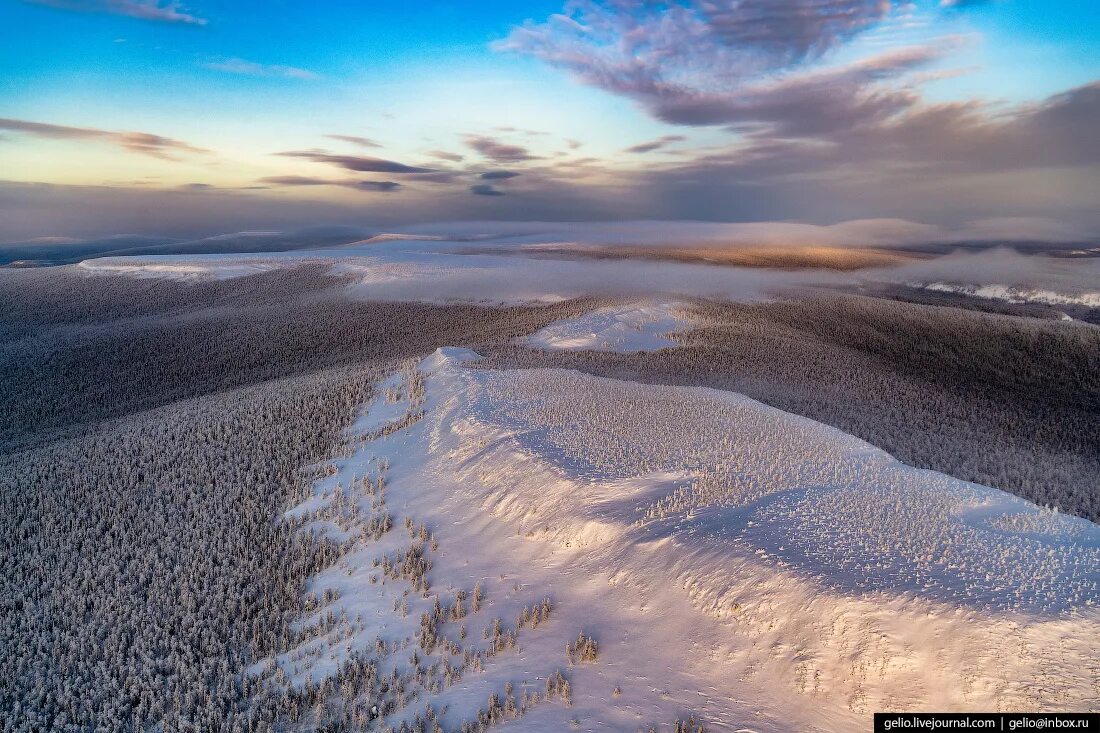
x=755, y=568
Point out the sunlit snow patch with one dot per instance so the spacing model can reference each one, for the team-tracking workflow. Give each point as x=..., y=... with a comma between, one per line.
x=636, y=327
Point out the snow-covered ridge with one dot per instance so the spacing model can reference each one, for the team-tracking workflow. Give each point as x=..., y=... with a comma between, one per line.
x=173, y=269
x=762, y=570
x=643, y=326
x=1015, y=294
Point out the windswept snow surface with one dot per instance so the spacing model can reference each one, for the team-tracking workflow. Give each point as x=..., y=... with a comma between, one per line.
x=758, y=569
x=637, y=327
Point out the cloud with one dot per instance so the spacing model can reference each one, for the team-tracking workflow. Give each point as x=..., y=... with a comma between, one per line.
x=498, y=151
x=617, y=38
x=498, y=175
x=444, y=155
x=655, y=144
x=1020, y=229
x=806, y=103
x=154, y=10
x=1002, y=266
x=657, y=53
x=252, y=68
x=484, y=189
x=755, y=66
x=943, y=163
x=940, y=140
x=547, y=206
x=136, y=142
x=296, y=181
x=521, y=131
x=787, y=30
x=363, y=142
x=441, y=176
x=382, y=186
x=361, y=164
x=379, y=186
x=811, y=134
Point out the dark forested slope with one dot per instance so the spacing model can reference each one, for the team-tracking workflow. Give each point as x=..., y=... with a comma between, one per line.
x=79, y=349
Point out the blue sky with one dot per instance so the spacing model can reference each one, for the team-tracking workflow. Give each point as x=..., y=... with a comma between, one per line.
x=702, y=109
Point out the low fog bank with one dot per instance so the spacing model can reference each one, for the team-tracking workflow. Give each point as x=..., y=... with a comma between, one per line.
x=896, y=233
x=510, y=262
x=427, y=275
x=1075, y=277
x=493, y=278
x=899, y=233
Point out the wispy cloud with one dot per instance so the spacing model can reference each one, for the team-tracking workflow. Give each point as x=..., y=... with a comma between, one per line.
x=382, y=186
x=359, y=163
x=378, y=186
x=498, y=175
x=441, y=176
x=445, y=155
x=484, y=189
x=499, y=151
x=657, y=144
x=136, y=142
x=154, y=10
x=296, y=181
x=714, y=62
x=253, y=68
x=363, y=142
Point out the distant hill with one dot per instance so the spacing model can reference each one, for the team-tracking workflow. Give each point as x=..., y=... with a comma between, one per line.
x=53, y=252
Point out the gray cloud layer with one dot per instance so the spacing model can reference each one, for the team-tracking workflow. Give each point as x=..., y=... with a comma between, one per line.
x=813, y=138
x=35, y=210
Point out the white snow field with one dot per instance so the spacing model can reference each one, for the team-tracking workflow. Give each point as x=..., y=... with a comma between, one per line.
x=756, y=569
x=643, y=326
